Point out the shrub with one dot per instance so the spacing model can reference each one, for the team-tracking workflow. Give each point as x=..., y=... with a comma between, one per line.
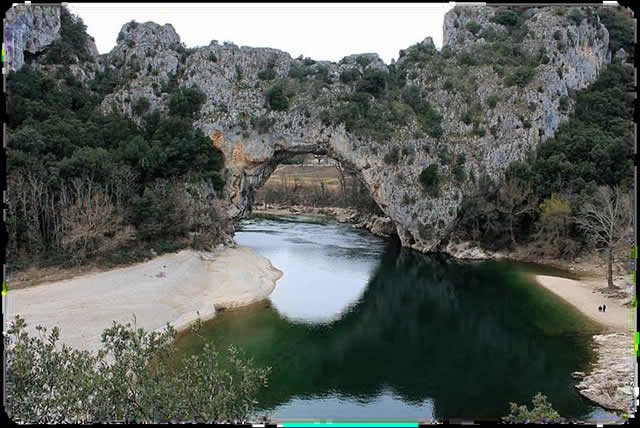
x=132, y=376
x=467, y=117
x=492, y=101
x=269, y=72
x=141, y=105
x=186, y=102
x=262, y=123
x=541, y=409
x=564, y=103
x=277, y=99
x=473, y=27
x=349, y=75
x=429, y=180
x=458, y=173
x=520, y=77
x=130, y=43
x=363, y=60
x=212, y=57
x=393, y=156
x=373, y=82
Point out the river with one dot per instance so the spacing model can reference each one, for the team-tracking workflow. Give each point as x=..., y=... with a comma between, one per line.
x=360, y=328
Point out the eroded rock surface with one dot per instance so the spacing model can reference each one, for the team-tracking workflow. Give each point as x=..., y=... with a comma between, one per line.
x=610, y=382
x=255, y=137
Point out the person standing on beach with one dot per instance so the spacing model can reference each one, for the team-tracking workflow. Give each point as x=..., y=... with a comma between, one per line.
x=604, y=308
x=599, y=308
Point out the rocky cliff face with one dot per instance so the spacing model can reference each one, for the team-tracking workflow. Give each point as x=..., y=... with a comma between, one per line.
x=30, y=29
x=255, y=138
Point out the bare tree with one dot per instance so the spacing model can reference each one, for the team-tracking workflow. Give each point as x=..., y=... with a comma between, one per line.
x=515, y=198
x=606, y=220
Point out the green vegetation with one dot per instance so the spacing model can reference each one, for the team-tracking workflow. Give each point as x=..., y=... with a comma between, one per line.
x=393, y=156
x=541, y=409
x=429, y=180
x=134, y=376
x=473, y=27
x=80, y=179
x=350, y=75
x=72, y=42
x=269, y=72
x=277, y=98
x=592, y=149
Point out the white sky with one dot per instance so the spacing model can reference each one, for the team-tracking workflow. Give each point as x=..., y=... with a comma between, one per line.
x=322, y=31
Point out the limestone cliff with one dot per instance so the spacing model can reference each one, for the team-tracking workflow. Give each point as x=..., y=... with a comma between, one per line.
x=254, y=136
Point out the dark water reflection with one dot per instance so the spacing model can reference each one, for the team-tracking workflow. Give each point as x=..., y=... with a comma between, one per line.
x=358, y=327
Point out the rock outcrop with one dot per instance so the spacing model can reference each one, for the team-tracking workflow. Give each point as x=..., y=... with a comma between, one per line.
x=30, y=29
x=255, y=137
x=610, y=382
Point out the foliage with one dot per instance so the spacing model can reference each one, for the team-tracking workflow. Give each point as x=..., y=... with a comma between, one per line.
x=269, y=72
x=541, y=409
x=350, y=75
x=141, y=105
x=60, y=144
x=393, y=156
x=429, y=180
x=72, y=42
x=428, y=118
x=186, y=102
x=277, y=98
x=131, y=376
x=373, y=82
x=262, y=123
x=473, y=27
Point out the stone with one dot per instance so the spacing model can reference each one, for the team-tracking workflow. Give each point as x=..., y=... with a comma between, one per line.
x=235, y=93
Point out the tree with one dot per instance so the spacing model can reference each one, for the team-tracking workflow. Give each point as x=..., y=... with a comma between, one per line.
x=541, y=409
x=606, y=220
x=133, y=375
x=515, y=198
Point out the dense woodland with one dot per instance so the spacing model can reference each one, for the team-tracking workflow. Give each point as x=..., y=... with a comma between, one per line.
x=85, y=184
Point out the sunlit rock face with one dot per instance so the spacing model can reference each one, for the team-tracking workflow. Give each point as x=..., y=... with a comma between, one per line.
x=255, y=138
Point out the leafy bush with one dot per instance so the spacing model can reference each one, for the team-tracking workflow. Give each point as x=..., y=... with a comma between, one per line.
x=72, y=42
x=473, y=27
x=350, y=75
x=142, y=105
x=269, y=72
x=277, y=99
x=520, y=77
x=541, y=409
x=132, y=376
x=212, y=57
x=467, y=117
x=393, y=156
x=262, y=123
x=492, y=101
x=564, y=103
x=299, y=72
x=373, y=82
x=186, y=102
x=429, y=180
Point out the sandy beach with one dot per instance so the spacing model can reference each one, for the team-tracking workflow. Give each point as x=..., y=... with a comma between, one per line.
x=581, y=295
x=176, y=288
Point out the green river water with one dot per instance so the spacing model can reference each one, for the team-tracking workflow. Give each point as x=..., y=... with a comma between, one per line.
x=360, y=328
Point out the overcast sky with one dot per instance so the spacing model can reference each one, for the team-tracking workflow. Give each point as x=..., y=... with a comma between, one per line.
x=322, y=31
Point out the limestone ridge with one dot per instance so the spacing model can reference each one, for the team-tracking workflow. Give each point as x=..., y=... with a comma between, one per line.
x=30, y=29
x=254, y=137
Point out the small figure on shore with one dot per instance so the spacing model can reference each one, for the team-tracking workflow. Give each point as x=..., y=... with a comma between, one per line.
x=604, y=308
x=599, y=308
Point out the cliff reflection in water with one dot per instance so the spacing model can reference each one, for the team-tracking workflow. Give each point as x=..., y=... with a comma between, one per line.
x=468, y=337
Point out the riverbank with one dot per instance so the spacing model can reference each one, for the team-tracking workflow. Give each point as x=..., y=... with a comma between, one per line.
x=609, y=381
x=378, y=225
x=172, y=288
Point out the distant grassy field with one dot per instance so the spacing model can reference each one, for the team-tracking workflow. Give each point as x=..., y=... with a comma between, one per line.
x=306, y=175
